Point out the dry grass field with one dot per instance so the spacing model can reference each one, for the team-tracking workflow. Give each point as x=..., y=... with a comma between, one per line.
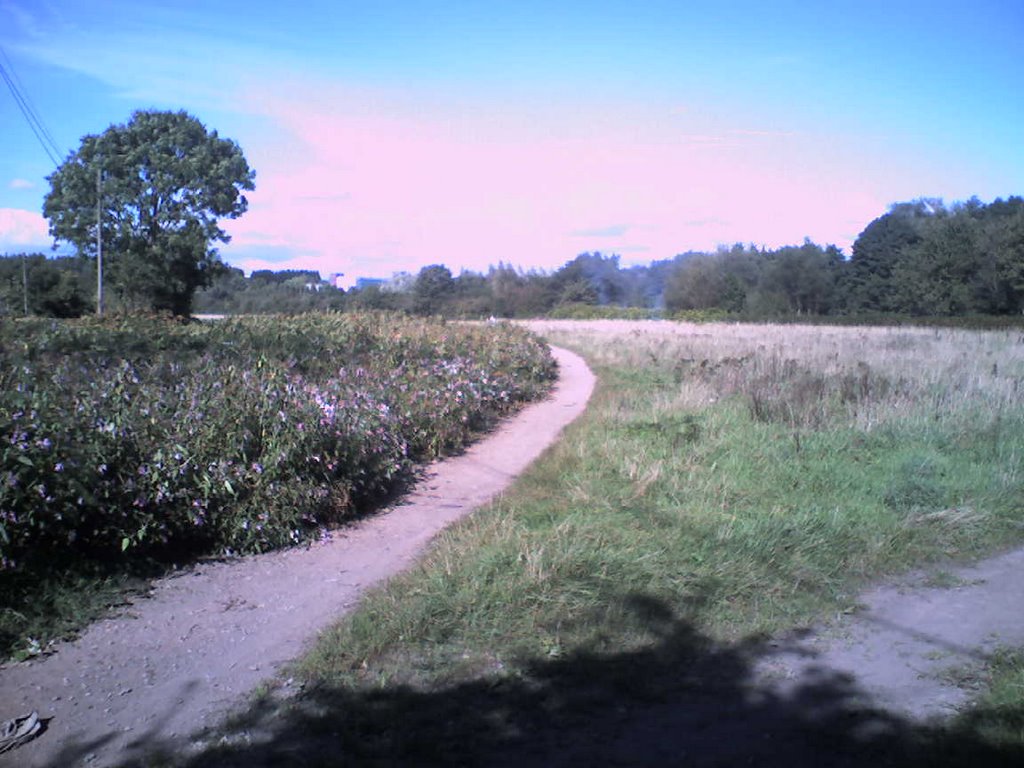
x=876, y=372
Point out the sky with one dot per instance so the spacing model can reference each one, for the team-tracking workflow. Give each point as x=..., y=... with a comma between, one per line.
x=387, y=136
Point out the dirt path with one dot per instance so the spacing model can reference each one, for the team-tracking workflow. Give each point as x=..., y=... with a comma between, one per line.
x=173, y=663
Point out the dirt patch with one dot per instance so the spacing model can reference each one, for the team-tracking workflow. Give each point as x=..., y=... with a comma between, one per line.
x=914, y=643
x=172, y=664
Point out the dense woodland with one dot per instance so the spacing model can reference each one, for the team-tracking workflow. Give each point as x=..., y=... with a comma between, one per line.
x=920, y=259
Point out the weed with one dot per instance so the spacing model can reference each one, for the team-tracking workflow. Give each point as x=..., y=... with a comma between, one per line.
x=917, y=486
x=943, y=579
x=997, y=712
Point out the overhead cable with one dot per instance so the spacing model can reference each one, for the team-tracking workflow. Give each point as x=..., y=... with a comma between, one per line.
x=43, y=135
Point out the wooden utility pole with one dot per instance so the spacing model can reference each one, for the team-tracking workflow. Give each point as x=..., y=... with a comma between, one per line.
x=24, y=281
x=99, y=242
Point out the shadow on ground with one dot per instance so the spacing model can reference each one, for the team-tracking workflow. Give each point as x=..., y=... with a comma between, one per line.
x=684, y=701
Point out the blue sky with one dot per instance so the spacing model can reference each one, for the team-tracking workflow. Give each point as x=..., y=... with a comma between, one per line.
x=387, y=136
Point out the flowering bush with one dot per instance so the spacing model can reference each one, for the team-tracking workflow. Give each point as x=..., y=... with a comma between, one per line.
x=121, y=438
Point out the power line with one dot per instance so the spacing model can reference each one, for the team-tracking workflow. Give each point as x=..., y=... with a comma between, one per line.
x=28, y=101
x=44, y=137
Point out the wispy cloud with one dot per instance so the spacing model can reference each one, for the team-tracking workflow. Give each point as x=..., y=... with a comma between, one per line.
x=156, y=58
x=22, y=19
x=21, y=184
x=270, y=255
x=710, y=221
x=703, y=139
x=368, y=179
x=615, y=230
x=760, y=133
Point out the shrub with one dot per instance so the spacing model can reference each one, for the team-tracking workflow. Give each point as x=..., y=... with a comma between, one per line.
x=581, y=311
x=146, y=437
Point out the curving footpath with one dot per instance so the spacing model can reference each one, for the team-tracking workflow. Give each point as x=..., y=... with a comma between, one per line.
x=173, y=664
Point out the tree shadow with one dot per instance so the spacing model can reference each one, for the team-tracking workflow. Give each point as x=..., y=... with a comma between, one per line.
x=683, y=700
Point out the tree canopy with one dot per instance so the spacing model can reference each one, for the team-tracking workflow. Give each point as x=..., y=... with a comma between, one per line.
x=37, y=285
x=433, y=285
x=166, y=181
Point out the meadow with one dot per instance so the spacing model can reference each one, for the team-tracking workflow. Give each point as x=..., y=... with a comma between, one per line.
x=729, y=484
x=131, y=445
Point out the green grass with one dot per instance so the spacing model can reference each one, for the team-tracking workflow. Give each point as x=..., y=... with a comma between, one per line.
x=732, y=523
x=998, y=713
x=740, y=495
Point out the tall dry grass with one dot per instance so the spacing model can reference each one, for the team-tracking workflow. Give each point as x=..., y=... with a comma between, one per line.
x=860, y=376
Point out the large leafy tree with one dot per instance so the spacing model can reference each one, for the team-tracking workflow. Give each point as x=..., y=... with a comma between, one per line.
x=590, y=278
x=702, y=281
x=166, y=181
x=999, y=283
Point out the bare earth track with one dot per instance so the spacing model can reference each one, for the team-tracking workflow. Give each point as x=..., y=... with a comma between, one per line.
x=173, y=663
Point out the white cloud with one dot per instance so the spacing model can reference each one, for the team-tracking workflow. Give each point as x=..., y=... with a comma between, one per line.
x=21, y=184
x=20, y=228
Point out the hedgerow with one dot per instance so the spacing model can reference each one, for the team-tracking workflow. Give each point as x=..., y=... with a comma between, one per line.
x=144, y=437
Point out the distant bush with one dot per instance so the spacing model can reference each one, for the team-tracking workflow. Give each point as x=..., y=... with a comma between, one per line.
x=148, y=437
x=38, y=285
x=703, y=316
x=581, y=311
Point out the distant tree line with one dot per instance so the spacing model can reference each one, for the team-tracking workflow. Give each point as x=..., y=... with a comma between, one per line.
x=920, y=259
x=264, y=292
